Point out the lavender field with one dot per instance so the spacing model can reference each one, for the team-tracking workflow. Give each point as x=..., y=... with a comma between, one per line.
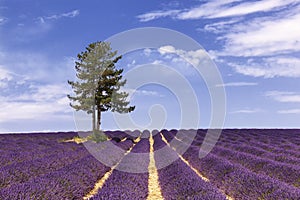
x=244, y=164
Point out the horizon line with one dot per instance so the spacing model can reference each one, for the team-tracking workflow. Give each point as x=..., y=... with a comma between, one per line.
x=201, y=128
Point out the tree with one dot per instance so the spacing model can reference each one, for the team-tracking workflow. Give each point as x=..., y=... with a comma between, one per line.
x=98, y=86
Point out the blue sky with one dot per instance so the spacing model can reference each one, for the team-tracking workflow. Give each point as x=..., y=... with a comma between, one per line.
x=255, y=45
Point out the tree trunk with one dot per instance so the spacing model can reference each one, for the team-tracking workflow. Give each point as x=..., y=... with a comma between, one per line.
x=94, y=109
x=94, y=118
x=98, y=119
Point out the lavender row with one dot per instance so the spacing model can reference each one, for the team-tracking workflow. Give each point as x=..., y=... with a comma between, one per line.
x=226, y=176
x=239, y=182
x=292, y=150
x=283, y=157
x=40, y=171
x=18, y=156
x=279, y=154
x=70, y=182
x=62, y=155
x=127, y=144
x=37, y=136
x=24, y=171
x=23, y=147
x=265, y=134
x=282, y=138
x=179, y=181
x=284, y=172
x=128, y=185
x=259, y=149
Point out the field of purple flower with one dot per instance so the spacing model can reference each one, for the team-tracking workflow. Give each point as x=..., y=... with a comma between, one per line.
x=244, y=164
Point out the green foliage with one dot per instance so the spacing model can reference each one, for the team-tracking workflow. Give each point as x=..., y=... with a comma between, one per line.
x=89, y=68
x=97, y=136
x=98, y=84
x=108, y=96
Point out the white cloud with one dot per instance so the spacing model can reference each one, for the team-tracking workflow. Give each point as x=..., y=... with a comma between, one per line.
x=42, y=24
x=250, y=36
x=290, y=111
x=271, y=39
x=37, y=66
x=35, y=87
x=12, y=111
x=219, y=27
x=132, y=64
x=272, y=36
x=194, y=57
x=166, y=49
x=270, y=67
x=237, y=84
x=142, y=92
x=156, y=14
x=219, y=9
x=158, y=62
x=148, y=93
x=5, y=76
x=41, y=20
x=3, y=20
x=26, y=32
x=250, y=7
x=247, y=111
x=44, y=93
x=71, y=14
x=38, y=102
x=147, y=52
x=283, y=96
x=206, y=10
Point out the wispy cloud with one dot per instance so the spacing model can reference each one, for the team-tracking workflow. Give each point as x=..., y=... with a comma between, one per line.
x=269, y=67
x=3, y=20
x=247, y=111
x=219, y=27
x=38, y=102
x=140, y=92
x=71, y=14
x=41, y=20
x=218, y=9
x=266, y=38
x=283, y=96
x=5, y=74
x=147, y=52
x=237, y=84
x=290, y=111
x=4, y=77
x=194, y=57
x=44, y=93
x=249, y=39
x=148, y=93
x=37, y=66
x=233, y=8
x=156, y=14
x=27, y=90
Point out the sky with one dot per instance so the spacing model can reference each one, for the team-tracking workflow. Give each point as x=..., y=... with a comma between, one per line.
x=254, y=45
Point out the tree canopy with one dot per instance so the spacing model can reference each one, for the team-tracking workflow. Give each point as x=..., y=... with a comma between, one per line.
x=98, y=84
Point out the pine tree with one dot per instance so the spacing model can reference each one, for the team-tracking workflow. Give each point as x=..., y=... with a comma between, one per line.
x=98, y=86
